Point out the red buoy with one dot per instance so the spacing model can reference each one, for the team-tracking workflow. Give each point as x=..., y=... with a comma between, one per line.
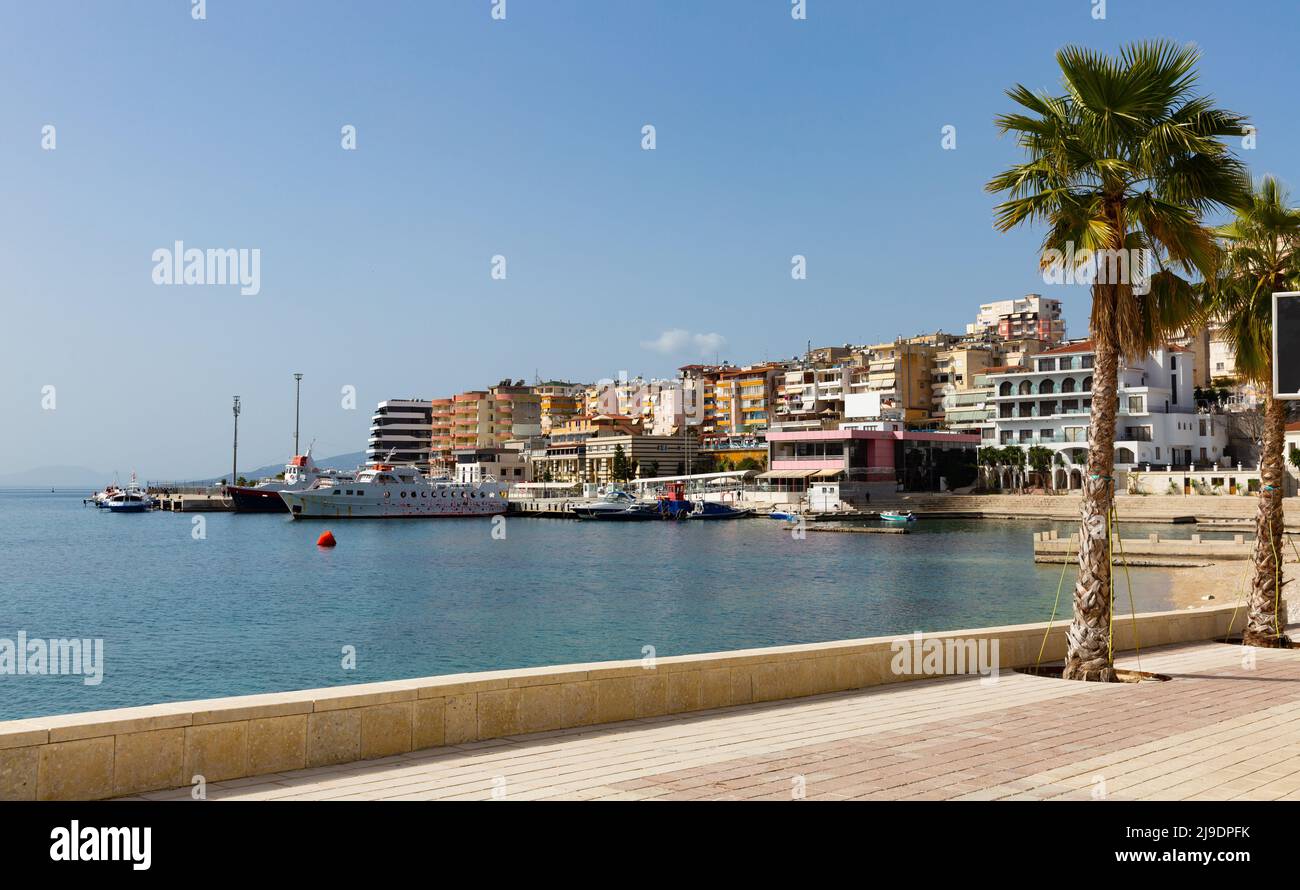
x=326, y=539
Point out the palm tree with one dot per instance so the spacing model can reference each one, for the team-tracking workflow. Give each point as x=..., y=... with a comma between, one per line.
x=1128, y=159
x=1260, y=257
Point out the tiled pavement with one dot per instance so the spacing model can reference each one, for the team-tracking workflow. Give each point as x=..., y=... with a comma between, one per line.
x=1220, y=729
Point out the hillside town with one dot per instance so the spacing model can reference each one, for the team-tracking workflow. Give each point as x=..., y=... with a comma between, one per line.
x=1003, y=405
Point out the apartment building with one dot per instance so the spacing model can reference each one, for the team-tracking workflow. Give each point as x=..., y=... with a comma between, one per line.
x=558, y=401
x=1032, y=317
x=442, y=442
x=401, y=430
x=899, y=372
x=1157, y=422
x=812, y=396
x=744, y=398
x=955, y=371
x=490, y=418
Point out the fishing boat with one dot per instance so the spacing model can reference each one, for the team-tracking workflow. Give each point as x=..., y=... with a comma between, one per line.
x=300, y=473
x=891, y=516
x=616, y=506
x=388, y=491
x=673, y=504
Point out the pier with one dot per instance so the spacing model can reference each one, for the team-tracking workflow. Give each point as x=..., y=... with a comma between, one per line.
x=1051, y=547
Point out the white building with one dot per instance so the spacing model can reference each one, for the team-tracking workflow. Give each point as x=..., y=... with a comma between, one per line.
x=405, y=425
x=474, y=465
x=1157, y=423
x=1033, y=317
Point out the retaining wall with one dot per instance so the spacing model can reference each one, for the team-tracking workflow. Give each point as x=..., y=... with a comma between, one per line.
x=108, y=753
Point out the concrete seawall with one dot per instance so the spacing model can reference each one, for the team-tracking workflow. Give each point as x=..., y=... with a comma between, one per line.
x=131, y=750
x=1240, y=547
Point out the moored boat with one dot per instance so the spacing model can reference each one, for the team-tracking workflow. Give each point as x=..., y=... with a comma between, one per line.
x=616, y=506
x=129, y=500
x=299, y=475
x=386, y=491
x=892, y=516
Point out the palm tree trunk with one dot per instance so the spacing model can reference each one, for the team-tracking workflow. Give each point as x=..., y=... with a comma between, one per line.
x=1088, y=654
x=1266, y=610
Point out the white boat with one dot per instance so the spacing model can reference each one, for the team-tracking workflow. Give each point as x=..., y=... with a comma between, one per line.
x=615, y=505
x=129, y=500
x=100, y=498
x=386, y=491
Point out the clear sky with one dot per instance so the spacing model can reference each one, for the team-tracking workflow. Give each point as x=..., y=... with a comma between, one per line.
x=519, y=138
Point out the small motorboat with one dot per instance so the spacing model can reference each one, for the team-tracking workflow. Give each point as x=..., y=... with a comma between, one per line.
x=100, y=498
x=616, y=505
x=783, y=515
x=716, y=510
x=892, y=516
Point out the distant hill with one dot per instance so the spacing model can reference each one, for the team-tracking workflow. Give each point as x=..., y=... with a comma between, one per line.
x=348, y=461
x=85, y=477
x=57, y=477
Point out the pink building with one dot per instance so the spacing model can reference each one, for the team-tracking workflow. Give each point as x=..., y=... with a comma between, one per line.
x=870, y=461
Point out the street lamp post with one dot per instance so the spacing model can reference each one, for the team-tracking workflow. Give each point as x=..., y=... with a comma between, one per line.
x=234, y=460
x=297, y=383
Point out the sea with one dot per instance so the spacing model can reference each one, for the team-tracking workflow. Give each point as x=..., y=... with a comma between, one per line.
x=189, y=606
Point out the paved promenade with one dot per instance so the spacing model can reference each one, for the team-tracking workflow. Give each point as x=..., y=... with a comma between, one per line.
x=1219, y=730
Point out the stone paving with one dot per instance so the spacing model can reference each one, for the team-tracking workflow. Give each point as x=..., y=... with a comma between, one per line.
x=1223, y=728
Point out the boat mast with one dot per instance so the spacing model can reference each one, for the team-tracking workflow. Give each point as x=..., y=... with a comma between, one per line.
x=297, y=384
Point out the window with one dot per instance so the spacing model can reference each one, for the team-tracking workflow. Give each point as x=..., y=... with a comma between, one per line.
x=1135, y=405
x=1046, y=435
x=1005, y=437
x=1173, y=387
x=1047, y=364
x=1026, y=435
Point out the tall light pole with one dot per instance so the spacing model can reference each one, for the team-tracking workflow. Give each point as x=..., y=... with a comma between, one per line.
x=234, y=460
x=297, y=392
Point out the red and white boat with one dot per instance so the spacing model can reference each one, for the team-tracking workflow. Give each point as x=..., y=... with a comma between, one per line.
x=299, y=474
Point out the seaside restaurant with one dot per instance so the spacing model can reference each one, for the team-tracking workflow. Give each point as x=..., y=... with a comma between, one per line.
x=850, y=465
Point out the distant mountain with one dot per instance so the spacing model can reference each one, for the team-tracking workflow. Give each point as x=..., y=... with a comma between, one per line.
x=84, y=477
x=57, y=477
x=347, y=461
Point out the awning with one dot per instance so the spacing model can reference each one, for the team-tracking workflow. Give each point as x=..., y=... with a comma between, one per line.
x=829, y=474
x=787, y=474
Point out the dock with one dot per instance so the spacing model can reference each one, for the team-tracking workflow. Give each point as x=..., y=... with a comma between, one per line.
x=1051, y=547
x=193, y=503
x=862, y=529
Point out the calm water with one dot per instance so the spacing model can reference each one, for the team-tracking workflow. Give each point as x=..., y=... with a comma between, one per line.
x=257, y=607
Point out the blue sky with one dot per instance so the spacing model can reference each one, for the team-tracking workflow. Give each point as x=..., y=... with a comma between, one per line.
x=521, y=138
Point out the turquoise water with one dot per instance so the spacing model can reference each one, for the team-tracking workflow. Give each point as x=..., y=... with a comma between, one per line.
x=255, y=606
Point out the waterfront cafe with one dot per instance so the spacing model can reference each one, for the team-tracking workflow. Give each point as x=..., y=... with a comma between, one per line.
x=866, y=462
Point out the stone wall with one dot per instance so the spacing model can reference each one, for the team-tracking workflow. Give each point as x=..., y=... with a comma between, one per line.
x=109, y=753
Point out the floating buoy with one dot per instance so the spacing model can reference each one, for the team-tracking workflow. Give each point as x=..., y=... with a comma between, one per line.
x=326, y=539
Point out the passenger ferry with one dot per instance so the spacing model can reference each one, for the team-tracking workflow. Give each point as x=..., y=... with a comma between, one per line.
x=385, y=491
